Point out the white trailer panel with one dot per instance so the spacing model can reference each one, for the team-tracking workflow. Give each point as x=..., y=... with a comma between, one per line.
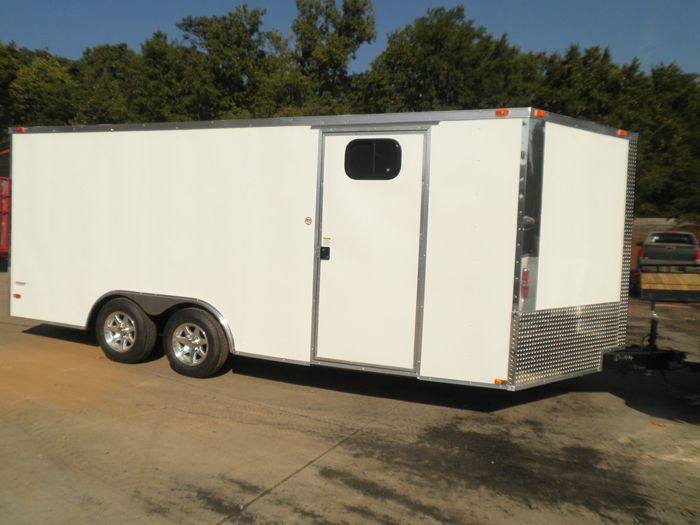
x=583, y=218
x=215, y=214
x=474, y=183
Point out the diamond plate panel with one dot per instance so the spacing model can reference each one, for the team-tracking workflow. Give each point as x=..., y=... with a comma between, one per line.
x=627, y=246
x=561, y=342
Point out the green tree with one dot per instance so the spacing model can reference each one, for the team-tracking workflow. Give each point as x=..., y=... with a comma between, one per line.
x=444, y=61
x=107, y=76
x=12, y=59
x=281, y=88
x=258, y=73
x=587, y=84
x=326, y=41
x=237, y=56
x=669, y=161
x=172, y=83
x=44, y=93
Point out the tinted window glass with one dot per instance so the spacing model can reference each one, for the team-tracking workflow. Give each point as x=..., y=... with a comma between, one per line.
x=373, y=159
x=671, y=238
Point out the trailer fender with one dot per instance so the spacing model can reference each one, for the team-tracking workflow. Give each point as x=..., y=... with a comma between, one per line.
x=156, y=305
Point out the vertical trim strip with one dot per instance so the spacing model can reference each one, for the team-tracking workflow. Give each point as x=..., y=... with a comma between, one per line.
x=532, y=210
x=317, y=245
x=627, y=243
x=529, y=215
x=524, y=163
x=524, y=151
x=529, y=209
x=422, y=254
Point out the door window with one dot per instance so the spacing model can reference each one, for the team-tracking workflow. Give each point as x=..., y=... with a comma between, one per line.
x=373, y=159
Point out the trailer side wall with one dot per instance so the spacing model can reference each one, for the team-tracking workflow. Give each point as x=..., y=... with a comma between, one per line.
x=216, y=214
x=472, y=223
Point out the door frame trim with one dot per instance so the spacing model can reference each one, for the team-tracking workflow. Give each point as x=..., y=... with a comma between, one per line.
x=422, y=245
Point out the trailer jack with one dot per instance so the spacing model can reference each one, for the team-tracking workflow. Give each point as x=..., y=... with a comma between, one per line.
x=653, y=331
x=647, y=355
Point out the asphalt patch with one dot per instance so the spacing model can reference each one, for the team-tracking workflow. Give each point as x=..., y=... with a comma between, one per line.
x=384, y=493
x=526, y=468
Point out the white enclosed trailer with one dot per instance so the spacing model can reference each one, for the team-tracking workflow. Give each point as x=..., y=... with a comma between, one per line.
x=448, y=246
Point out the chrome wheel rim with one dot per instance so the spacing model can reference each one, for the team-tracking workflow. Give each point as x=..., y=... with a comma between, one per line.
x=120, y=331
x=190, y=344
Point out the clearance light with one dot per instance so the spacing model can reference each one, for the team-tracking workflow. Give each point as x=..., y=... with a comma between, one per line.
x=525, y=284
x=20, y=130
x=540, y=113
x=502, y=112
x=500, y=381
x=621, y=133
x=17, y=295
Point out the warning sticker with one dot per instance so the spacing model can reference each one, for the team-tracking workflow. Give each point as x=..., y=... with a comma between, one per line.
x=326, y=242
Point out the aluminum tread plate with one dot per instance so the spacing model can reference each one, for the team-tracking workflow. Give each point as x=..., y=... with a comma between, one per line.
x=550, y=344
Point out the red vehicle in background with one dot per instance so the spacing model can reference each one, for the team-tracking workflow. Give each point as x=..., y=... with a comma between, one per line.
x=4, y=203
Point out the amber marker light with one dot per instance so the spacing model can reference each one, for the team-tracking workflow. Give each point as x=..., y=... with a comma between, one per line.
x=540, y=113
x=621, y=133
x=500, y=381
x=502, y=112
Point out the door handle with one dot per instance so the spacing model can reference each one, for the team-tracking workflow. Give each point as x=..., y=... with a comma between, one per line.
x=325, y=253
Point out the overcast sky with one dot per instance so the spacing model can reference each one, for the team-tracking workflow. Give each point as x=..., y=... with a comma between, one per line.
x=654, y=31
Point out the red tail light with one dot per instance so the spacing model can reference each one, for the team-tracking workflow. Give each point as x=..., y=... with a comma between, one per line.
x=641, y=252
x=697, y=256
x=525, y=284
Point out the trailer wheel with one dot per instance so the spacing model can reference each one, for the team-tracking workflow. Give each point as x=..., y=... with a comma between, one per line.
x=195, y=343
x=126, y=334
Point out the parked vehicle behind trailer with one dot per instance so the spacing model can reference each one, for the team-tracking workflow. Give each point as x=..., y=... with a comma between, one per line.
x=669, y=251
x=669, y=266
x=438, y=245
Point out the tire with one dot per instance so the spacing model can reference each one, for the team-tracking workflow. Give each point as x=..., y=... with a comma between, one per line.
x=195, y=343
x=126, y=334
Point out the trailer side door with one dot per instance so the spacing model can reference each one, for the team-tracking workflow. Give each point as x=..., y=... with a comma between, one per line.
x=368, y=274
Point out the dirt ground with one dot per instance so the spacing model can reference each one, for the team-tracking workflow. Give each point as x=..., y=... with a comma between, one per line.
x=83, y=439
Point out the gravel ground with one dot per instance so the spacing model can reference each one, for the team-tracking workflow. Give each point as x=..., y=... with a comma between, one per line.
x=83, y=439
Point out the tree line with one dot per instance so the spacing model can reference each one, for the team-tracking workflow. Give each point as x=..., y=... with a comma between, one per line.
x=229, y=67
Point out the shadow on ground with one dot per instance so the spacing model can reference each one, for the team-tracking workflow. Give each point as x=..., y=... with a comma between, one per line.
x=82, y=337
x=672, y=394
x=668, y=394
x=73, y=335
